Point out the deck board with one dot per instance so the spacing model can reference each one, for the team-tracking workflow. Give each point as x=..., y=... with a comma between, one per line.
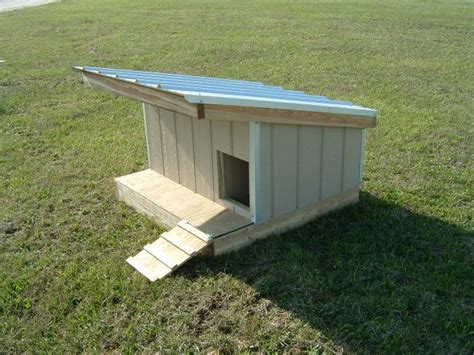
x=155, y=195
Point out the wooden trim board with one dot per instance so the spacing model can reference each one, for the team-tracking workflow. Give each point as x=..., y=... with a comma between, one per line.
x=294, y=219
x=149, y=95
x=178, y=103
x=268, y=115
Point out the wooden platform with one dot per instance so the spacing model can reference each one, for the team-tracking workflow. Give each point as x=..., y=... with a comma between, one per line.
x=169, y=202
x=198, y=224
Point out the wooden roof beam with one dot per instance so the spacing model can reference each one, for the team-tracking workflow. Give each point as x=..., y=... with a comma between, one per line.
x=146, y=94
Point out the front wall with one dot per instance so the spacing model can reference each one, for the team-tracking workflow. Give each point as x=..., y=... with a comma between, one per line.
x=185, y=149
x=299, y=164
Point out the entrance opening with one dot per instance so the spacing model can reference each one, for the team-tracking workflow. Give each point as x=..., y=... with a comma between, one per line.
x=233, y=179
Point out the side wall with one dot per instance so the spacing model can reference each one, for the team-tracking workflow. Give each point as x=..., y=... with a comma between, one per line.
x=185, y=149
x=300, y=165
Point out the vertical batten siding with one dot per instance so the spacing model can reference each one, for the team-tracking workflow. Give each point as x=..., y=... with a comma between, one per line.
x=266, y=196
x=240, y=140
x=352, y=148
x=153, y=138
x=203, y=152
x=170, y=151
x=332, y=161
x=361, y=156
x=184, y=142
x=221, y=141
x=147, y=140
x=309, y=164
x=285, y=170
x=255, y=181
x=298, y=165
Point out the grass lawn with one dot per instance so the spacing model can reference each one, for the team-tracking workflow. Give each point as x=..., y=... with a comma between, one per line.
x=394, y=273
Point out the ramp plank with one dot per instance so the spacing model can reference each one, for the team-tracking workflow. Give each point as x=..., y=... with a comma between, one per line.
x=184, y=240
x=167, y=253
x=193, y=230
x=147, y=265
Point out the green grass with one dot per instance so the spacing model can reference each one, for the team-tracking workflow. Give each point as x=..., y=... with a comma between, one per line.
x=393, y=273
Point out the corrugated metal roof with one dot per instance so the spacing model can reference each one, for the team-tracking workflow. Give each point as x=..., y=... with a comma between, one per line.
x=206, y=90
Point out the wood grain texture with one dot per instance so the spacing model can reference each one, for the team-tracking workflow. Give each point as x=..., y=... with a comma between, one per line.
x=149, y=266
x=167, y=253
x=168, y=202
x=246, y=114
x=184, y=240
x=152, y=96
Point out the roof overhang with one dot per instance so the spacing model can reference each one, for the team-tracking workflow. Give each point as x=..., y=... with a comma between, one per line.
x=234, y=107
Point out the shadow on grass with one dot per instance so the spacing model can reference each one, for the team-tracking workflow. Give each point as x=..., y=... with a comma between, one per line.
x=373, y=276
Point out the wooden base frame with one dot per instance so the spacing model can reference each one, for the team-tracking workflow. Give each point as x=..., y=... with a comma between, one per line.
x=168, y=202
x=245, y=236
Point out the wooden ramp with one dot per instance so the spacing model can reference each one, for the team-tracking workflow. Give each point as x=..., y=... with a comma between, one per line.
x=171, y=250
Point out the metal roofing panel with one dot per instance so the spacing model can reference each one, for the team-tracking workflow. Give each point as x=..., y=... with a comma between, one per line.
x=216, y=91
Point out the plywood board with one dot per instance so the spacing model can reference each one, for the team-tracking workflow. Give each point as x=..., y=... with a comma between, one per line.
x=168, y=202
x=185, y=241
x=149, y=266
x=167, y=253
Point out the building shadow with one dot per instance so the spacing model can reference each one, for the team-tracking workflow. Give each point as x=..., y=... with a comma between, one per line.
x=373, y=276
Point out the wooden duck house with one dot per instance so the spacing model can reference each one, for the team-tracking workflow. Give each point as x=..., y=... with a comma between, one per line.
x=232, y=161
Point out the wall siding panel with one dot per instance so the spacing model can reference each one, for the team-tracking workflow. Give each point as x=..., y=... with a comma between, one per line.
x=285, y=169
x=266, y=171
x=203, y=153
x=221, y=141
x=184, y=136
x=240, y=140
x=352, y=152
x=168, y=136
x=309, y=164
x=153, y=137
x=332, y=161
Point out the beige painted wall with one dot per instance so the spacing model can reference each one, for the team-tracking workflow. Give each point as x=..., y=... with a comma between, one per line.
x=297, y=165
x=185, y=149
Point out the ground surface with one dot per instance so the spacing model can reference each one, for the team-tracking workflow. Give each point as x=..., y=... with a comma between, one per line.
x=393, y=273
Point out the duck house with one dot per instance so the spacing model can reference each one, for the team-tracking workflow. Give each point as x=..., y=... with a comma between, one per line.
x=231, y=161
